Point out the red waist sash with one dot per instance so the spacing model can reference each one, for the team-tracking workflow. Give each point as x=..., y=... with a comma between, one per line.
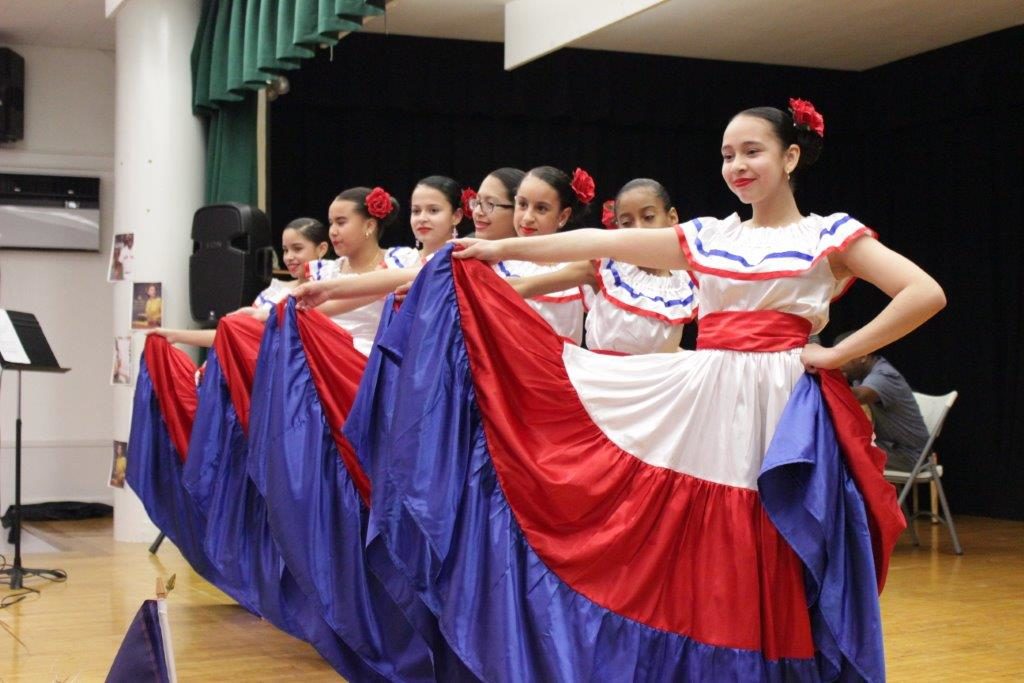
x=752, y=331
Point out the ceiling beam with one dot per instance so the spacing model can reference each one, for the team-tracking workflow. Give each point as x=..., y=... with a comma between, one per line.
x=534, y=28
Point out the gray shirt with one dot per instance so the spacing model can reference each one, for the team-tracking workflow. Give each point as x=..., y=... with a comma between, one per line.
x=899, y=427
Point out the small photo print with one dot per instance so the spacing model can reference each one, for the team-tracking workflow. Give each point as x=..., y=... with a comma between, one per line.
x=122, y=257
x=122, y=372
x=118, y=465
x=147, y=305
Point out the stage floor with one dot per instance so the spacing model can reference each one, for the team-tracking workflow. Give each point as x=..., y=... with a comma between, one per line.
x=946, y=618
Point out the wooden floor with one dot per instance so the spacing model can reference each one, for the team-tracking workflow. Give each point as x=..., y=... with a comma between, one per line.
x=947, y=618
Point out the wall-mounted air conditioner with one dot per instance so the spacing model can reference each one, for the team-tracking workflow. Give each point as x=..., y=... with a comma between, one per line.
x=49, y=212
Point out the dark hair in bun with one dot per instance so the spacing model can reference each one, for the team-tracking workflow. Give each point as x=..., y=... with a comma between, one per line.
x=562, y=183
x=510, y=178
x=312, y=230
x=450, y=188
x=358, y=195
x=654, y=186
x=809, y=142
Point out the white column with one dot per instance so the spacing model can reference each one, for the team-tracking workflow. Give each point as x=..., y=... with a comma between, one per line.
x=159, y=156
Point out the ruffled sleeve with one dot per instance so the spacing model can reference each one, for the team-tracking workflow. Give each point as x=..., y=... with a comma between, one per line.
x=513, y=269
x=270, y=296
x=322, y=269
x=727, y=248
x=670, y=299
x=401, y=257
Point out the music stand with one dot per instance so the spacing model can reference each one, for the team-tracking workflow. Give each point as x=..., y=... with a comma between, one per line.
x=23, y=348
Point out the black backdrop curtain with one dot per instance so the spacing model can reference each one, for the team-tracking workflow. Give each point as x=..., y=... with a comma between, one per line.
x=927, y=150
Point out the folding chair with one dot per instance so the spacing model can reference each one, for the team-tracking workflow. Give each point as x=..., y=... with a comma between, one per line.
x=927, y=470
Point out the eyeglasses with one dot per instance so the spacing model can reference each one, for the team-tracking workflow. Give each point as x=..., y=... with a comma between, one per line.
x=486, y=205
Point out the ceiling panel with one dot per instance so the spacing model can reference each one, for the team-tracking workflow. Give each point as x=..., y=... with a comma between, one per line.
x=836, y=34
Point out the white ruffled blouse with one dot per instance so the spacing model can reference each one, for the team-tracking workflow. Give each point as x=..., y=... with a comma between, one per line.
x=780, y=269
x=562, y=310
x=402, y=257
x=362, y=322
x=272, y=295
x=635, y=311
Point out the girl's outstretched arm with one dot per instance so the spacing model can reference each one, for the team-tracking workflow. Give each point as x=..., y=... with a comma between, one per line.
x=339, y=306
x=652, y=248
x=191, y=337
x=364, y=288
x=573, y=275
x=916, y=297
x=258, y=312
x=205, y=338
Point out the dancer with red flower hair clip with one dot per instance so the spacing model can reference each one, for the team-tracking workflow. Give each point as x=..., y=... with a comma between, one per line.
x=358, y=218
x=608, y=215
x=549, y=200
x=717, y=514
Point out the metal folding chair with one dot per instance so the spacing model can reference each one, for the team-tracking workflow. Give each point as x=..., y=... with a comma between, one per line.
x=927, y=470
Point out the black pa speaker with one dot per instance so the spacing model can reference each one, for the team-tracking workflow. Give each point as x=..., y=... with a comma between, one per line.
x=12, y=95
x=232, y=259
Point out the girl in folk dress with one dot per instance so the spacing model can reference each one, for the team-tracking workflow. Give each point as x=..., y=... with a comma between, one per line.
x=547, y=201
x=776, y=591
x=358, y=219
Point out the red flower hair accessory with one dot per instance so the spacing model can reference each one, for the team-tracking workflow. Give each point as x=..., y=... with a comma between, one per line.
x=608, y=215
x=583, y=185
x=378, y=203
x=806, y=116
x=468, y=195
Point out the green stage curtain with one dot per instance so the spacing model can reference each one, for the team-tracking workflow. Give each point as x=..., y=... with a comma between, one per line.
x=240, y=45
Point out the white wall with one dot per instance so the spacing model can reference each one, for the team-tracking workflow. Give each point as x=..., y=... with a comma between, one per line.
x=69, y=130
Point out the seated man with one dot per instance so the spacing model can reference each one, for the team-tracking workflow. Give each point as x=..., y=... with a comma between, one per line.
x=899, y=428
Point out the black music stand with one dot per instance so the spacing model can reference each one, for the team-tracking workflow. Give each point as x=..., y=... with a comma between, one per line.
x=23, y=348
